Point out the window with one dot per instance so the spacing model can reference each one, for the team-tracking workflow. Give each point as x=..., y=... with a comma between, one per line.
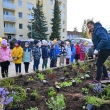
x=63, y=5
x=20, y=3
x=63, y=22
x=63, y=14
x=7, y=13
x=63, y=30
x=30, y=6
x=51, y=11
x=20, y=14
x=20, y=35
x=51, y=2
x=9, y=1
x=30, y=17
x=20, y=26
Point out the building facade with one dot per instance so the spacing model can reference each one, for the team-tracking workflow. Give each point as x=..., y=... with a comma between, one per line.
x=15, y=15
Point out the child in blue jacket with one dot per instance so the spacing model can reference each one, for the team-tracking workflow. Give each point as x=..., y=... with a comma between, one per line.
x=52, y=56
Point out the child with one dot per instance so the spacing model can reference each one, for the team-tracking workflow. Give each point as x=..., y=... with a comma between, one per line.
x=36, y=55
x=52, y=56
x=77, y=52
x=68, y=53
x=5, y=55
x=17, y=54
x=82, y=51
x=45, y=54
x=27, y=56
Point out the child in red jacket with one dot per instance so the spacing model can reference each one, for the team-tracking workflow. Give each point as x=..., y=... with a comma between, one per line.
x=77, y=56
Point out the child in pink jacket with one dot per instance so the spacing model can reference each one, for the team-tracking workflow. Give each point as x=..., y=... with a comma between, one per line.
x=5, y=55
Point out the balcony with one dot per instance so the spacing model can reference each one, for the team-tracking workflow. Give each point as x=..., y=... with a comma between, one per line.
x=9, y=30
x=7, y=5
x=9, y=18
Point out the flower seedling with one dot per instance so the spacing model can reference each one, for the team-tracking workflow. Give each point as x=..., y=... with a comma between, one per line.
x=78, y=80
x=50, y=70
x=35, y=108
x=34, y=95
x=65, y=84
x=41, y=76
x=85, y=90
x=66, y=74
x=20, y=76
x=30, y=78
x=51, y=92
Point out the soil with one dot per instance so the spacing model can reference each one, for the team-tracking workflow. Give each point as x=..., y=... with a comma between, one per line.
x=72, y=94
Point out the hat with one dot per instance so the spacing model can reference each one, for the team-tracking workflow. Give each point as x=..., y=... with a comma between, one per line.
x=4, y=42
x=18, y=42
x=27, y=43
x=44, y=42
x=72, y=42
x=36, y=42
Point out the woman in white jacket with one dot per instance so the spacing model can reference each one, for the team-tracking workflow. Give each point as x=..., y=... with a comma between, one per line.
x=68, y=53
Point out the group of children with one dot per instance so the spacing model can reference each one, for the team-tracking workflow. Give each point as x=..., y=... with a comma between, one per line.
x=26, y=55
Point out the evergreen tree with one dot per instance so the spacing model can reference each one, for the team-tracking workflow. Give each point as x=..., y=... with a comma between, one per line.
x=39, y=24
x=56, y=22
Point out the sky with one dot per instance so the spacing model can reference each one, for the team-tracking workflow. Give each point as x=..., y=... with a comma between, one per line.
x=78, y=10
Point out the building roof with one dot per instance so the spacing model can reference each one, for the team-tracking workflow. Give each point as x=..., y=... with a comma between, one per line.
x=74, y=33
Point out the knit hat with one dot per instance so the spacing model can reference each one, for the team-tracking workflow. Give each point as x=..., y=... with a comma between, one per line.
x=18, y=42
x=4, y=42
x=27, y=43
x=36, y=42
x=72, y=42
x=44, y=42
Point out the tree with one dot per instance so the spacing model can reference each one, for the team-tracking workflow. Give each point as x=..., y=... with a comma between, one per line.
x=75, y=29
x=39, y=25
x=84, y=28
x=56, y=22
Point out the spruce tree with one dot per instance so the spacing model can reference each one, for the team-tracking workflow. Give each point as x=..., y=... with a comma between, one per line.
x=39, y=24
x=56, y=22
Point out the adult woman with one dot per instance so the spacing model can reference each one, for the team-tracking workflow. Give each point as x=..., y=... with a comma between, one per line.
x=5, y=55
x=101, y=41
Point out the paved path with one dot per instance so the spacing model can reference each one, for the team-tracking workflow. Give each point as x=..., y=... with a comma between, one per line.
x=12, y=68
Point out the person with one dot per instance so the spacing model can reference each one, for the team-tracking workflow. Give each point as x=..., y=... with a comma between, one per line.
x=0, y=41
x=73, y=50
x=62, y=53
x=101, y=41
x=82, y=51
x=91, y=52
x=36, y=55
x=86, y=50
x=27, y=56
x=68, y=53
x=57, y=51
x=5, y=55
x=17, y=54
x=52, y=56
x=77, y=56
x=45, y=54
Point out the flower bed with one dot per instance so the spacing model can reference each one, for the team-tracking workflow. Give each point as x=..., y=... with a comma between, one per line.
x=71, y=92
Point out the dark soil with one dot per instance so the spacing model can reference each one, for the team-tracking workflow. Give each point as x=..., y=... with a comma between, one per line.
x=72, y=94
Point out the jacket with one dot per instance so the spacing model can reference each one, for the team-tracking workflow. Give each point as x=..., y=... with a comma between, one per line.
x=27, y=55
x=77, y=49
x=18, y=53
x=68, y=52
x=82, y=48
x=100, y=37
x=57, y=50
x=5, y=55
x=62, y=51
x=73, y=50
x=91, y=51
x=45, y=52
x=53, y=54
x=36, y=53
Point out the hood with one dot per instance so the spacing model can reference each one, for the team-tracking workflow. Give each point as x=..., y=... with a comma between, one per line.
x=96, y=26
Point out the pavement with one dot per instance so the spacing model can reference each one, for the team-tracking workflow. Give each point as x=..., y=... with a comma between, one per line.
x=12, y=72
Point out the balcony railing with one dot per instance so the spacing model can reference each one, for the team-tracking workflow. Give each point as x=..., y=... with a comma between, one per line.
x=10, y=30
x=9, y=18
x=8, y=5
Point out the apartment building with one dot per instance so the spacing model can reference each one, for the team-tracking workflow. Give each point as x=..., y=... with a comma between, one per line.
x=15, y=15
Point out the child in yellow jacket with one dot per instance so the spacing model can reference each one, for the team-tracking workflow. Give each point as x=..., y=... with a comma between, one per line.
x=17, y=54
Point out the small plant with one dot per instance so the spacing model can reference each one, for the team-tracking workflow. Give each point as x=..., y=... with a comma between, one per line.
x=66, y=73
x=74, y=66
x=57, y=103
x=65, y=84
x=78, y=80
x=85, y=90
x=35, y=108
x=37, y=71
x=30, y=78
x=20, y=76
x=51, y=92
x=35, y=94
x=64, y=68
x=50, y=70
x=94, y=101
x=41, y=76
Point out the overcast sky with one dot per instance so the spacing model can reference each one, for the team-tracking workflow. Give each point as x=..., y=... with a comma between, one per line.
x=78, y=10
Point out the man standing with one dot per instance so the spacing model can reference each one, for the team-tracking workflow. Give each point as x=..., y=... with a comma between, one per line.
x=101, y=41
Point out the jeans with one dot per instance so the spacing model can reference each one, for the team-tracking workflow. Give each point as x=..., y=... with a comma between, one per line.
x=18, y=68
x=52, y=63
x=44, y=65
x=103, y=55
x=82, y=55
x=67, y=61
x=72, y=58
x=36, y=64
x=26, y=65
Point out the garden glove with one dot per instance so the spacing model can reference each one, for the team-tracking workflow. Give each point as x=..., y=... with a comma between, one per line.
x=95, y=52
